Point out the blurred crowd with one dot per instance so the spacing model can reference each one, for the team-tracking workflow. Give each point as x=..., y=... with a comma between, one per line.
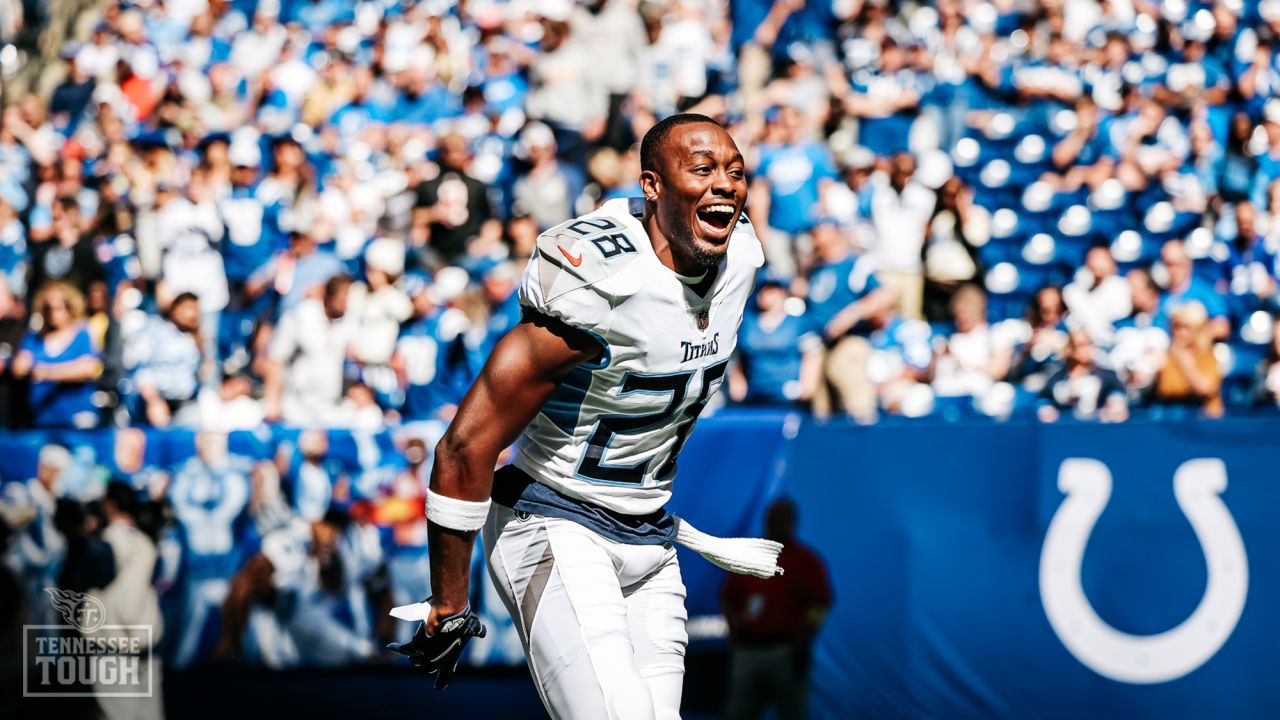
x=317, y=211
x=276, y=551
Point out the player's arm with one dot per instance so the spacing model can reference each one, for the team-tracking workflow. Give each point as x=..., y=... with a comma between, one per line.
x=523, y=371
x=855, y=312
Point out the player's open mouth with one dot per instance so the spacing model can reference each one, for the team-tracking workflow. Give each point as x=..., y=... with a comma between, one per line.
x=715, y=219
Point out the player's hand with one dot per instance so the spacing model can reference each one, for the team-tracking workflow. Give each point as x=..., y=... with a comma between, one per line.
x=438, y=652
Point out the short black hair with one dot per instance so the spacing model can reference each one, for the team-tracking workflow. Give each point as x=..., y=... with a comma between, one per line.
x=651, y=145
x=123, y=496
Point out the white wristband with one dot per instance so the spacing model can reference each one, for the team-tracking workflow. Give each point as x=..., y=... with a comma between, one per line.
x=455, y=514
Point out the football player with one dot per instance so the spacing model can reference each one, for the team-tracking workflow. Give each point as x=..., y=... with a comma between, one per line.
x=630, y=316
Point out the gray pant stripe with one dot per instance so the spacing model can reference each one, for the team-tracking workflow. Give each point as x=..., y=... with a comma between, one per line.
x=533, y=591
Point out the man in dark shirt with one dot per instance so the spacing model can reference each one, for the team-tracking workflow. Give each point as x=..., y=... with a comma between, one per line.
x=71, y=97
x=453, y=207
x=772, y=624
x=67, y=255
x=1081, y=388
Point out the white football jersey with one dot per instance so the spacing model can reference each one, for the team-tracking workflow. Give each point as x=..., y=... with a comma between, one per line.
x=610, y=433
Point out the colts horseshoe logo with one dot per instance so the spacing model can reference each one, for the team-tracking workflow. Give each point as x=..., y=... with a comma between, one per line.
x=1165, y=656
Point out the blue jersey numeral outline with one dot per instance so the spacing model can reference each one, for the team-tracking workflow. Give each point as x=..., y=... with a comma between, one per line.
x=593, y=468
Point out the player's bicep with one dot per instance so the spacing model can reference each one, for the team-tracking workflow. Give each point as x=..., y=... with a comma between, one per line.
x=524, y=369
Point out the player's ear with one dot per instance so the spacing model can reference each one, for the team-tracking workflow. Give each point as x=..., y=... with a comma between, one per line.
x=650, y=184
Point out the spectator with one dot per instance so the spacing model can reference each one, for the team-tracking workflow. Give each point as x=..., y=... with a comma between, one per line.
x=1098, y=298
x=900, y=212
x=975, y=356
x=1184, y=288
x=430, y=358
x=1144, y=301
x=1044, y=337
x=27, y=509
x=208, y=494
x=129, y=599
x=405, y=513
x=61, y=360
x=452, y=208
x=251, y=631
x=71, y=98
x=844, y=290
x=772, y=625
x=887, y=101
x=900, y=362
x=231, y=406
x=166, y=362
x=310, y=475
x=67, y=255
x=296, y=273
x=385, y=308
x=779, y=359
x=563, y=91
x=324, y=636
x=613, y=37
x=89, y=561
x=549, y=191
x=360, y=552
x=1080, y=156
x=360, y=409
x=1268, y=390
x=304, y=376
x=13, y=239
x=251, y=215
x=1081, y=387
x=503, y=309
x=190, y=231
x=955, y=231
x=13, y=328
x=1251, y=265
x=792, y=176
x=268, y=509
x=1190, y=375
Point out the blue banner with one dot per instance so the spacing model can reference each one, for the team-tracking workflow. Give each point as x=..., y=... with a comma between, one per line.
x=936, y=540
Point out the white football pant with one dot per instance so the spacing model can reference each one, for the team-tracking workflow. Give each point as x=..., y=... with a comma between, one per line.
x=602, y=622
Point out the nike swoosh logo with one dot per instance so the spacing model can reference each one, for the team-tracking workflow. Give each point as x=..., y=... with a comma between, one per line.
x=574, y=260
x=447, y=650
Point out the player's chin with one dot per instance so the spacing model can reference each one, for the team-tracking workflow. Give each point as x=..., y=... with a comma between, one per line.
x=709, y=251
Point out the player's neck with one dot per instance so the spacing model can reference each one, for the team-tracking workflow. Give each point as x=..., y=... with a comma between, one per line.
x=683, y=265
x=667, y=252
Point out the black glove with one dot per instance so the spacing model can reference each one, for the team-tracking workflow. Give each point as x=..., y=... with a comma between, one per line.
x=439, y=654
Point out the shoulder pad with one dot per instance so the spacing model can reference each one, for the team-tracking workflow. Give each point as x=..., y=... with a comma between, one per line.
x=755, y=249
x=582, y=252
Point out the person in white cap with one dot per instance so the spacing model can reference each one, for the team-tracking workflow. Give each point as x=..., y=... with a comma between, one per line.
x=550, y=189
x=36, y=553
x=631, y=316
x=383, y=308
x=251, y=219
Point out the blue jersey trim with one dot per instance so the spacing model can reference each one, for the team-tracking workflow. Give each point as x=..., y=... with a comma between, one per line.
x=565, y=404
